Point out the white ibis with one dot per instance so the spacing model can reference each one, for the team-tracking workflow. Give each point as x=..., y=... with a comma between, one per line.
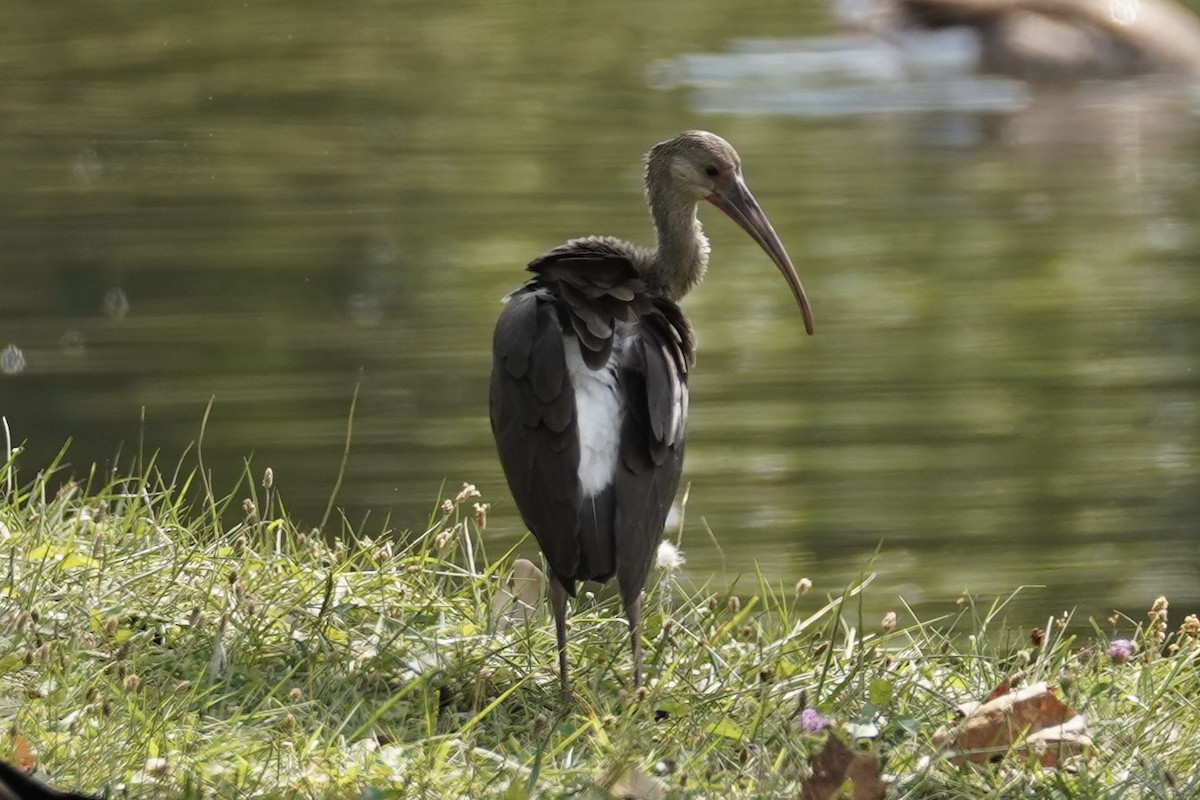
x=589, y=391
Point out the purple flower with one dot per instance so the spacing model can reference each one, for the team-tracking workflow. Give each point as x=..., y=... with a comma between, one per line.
x=811, y=721
x=1120, y=650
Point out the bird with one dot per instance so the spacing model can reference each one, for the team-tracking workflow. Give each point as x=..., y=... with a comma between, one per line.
x=1053, y=40
x=588, y=397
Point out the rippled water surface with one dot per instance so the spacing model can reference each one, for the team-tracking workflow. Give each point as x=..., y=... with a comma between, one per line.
x=268, y=204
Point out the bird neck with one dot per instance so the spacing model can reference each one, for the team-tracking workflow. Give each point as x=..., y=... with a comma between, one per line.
x=679, y=261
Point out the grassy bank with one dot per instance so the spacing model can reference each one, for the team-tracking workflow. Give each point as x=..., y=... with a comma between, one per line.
x=161, y=648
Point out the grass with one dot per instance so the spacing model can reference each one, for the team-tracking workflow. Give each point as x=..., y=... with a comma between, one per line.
x=151, y=648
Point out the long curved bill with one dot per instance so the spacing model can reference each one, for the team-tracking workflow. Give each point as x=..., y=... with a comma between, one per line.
x=739, y=205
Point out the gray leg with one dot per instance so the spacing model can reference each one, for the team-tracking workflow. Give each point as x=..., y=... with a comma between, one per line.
x=558, y=601
x=633, y=611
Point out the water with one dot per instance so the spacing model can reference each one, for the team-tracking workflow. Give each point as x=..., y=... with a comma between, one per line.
x=268, y=204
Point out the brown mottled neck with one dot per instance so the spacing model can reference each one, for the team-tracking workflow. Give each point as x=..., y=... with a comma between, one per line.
x=681, y=257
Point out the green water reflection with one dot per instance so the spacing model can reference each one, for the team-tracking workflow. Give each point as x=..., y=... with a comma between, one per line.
x=268, y=203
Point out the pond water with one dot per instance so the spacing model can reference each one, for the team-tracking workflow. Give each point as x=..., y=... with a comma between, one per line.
x=268, y=204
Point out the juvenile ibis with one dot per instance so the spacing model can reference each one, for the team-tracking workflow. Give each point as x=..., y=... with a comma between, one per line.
x=589, y=394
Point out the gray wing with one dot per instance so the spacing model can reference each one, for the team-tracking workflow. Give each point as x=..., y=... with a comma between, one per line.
x=532, y=407
x=654, y=378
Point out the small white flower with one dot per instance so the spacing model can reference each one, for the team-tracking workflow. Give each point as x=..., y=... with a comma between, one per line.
x=670, y=558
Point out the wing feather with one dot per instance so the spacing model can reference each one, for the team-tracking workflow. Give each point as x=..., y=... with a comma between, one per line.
x=532, y=408
x=655, y=384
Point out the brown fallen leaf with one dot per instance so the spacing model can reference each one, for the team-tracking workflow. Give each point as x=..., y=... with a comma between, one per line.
x=992, y=728
x=23, y=757
x=1052, y=745
x=1002, y=689
x=837, y=763
x=519, y=595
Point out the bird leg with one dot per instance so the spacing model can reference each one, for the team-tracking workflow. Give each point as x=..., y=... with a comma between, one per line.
x=558, y=601
x=633, y=612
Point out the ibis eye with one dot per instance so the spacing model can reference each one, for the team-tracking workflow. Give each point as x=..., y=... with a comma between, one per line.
x=712, y=172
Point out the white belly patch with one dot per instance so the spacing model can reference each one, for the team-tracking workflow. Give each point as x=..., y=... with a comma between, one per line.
x=599, y=412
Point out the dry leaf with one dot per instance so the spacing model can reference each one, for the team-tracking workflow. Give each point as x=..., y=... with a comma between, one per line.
x=836, y=764
x=23, y=757
x=1004, y=688
x=519, y=595
x=1058, y=742
x=992, y=728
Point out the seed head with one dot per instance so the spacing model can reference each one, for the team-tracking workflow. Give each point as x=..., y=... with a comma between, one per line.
x=466, y=493
x=670, y=559
x=1157, y=630
x=889, y=621
x=802, y=586
x=268, y=478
